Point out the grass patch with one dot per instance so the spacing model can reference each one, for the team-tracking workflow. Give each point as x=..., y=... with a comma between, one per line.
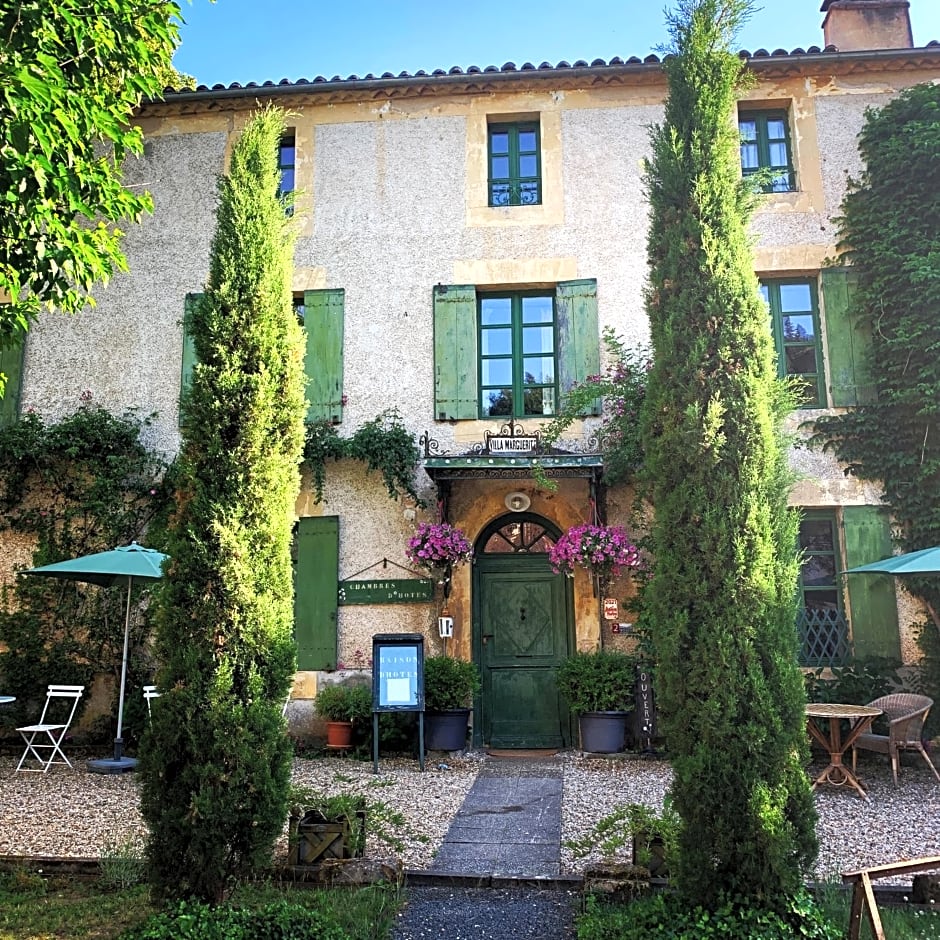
x=36, y=908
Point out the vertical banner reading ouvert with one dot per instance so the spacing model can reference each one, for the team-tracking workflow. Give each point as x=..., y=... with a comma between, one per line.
x=397, y=683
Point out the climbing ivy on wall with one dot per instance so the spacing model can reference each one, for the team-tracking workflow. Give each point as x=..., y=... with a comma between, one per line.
x=84, y=484
x=890, y=234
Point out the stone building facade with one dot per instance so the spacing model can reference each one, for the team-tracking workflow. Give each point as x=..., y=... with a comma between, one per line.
x=464, y=237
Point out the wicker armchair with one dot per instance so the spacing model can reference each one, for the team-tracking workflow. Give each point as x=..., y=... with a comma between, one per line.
x=906, y=714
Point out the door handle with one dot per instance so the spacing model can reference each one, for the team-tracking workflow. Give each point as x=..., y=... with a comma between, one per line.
x=487, y=637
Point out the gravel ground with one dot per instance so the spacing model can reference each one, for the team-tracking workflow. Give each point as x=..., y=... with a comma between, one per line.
x=72, y=813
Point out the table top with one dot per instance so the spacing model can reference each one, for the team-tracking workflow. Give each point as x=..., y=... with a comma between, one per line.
x=835, y=710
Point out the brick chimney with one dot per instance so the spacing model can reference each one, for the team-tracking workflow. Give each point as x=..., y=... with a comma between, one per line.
x=853, y=25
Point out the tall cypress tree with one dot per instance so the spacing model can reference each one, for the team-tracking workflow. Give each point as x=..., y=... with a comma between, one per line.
x=216, y=765
x=721, y=602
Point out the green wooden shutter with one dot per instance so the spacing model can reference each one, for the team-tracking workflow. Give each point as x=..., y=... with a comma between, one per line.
x=456, y=359
x=323, y=320
x=874, y=614
x=848, y=341
x=579, y=352
x=11, y=365
x=189, y=352
x=316, y=583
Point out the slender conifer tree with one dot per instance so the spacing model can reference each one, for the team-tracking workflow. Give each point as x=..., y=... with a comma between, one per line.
x=216, y=764
x=721, y=602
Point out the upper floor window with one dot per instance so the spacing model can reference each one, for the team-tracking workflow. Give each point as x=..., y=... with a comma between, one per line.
x=515, y=176
x=765, y=145
x=794, y=313
x=518, y=374
x=286, y=152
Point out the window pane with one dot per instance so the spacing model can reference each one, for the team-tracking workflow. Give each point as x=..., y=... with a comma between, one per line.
x=536, y=309
x=538, y=371
x=819, y=569
x=499, y=194
x=779, y=155
x=529, y=194
x=781, y=183
x=499, y=142
x=495, y=311
x=534, y=404
x=776, y=129
x=538, y=339
x=499, y=168
x=764, y=293
x=496, y=402
x=748, y=130
x=799, y=327
x=528, y=165
x=821, y=600
x=287, y=181
x=749, y=159
x=816, y=535
x=497, y=371
x=527, y=141
x=801, y=360
x=287, y=155
x=795, y=297
x=497, y=342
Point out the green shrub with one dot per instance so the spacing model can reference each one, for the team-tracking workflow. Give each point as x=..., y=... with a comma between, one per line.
x=664, y=916
x=602, y=681
x=350, y=701
x=860, y=681
x=279, y=920
x=449, y=683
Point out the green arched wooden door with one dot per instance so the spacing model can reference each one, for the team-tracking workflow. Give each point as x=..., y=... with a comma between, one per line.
x=522, y=629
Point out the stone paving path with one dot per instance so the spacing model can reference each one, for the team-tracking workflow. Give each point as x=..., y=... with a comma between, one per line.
x=510, y=823
x=497, y=873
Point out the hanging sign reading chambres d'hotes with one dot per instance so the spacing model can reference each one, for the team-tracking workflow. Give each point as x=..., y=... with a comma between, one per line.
x=386, y=591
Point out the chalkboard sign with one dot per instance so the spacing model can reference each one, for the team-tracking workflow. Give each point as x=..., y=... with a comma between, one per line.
x=645, y=714
x=386, y=591
x=398, y=672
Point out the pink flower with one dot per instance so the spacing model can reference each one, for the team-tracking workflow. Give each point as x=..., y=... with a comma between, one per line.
x=607, y=549
x=437, y=545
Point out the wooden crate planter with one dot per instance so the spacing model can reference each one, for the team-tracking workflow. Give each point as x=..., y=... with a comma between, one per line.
x=314, y=839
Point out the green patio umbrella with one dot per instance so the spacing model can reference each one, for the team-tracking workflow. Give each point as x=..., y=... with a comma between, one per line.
x=121, y=565
x=926, y=561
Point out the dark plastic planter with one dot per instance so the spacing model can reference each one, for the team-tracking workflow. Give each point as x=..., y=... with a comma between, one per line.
x=603, y=732
x=447, y=730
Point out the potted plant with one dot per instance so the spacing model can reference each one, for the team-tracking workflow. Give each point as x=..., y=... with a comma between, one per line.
x=438, y=547
x=599, y=688
x=340, y=705
x=449, y=687
x=605, y=550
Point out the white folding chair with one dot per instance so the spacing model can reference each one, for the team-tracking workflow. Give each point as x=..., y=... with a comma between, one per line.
x=150, y=693
x=50, y=733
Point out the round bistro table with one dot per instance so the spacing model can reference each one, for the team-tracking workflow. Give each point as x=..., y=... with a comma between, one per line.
x=859, y=718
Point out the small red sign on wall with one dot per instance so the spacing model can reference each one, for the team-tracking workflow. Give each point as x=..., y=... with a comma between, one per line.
x=611, y=608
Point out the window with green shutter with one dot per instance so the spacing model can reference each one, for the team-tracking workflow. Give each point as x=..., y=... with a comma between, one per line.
x=316, y=579
x=872, y=598
x=323, y=315
x=512, y=353
x=765, y=146
x=515, y=175
x=794, y=313
x=11, y=365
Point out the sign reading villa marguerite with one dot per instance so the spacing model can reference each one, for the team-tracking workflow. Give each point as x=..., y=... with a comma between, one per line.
x=510, y=440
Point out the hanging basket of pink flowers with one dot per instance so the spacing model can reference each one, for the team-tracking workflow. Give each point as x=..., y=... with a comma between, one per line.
x=605, y=550
x=437, y=545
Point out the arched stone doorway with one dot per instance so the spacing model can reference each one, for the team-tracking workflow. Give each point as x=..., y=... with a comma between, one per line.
x=523, y=627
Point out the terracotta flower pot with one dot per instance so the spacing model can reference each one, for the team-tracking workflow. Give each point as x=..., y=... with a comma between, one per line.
x=338, y=733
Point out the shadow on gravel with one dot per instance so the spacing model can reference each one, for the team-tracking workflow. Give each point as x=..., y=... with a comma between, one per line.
x=460, y=913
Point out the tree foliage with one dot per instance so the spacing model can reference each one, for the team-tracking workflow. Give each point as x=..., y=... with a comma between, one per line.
x=890, y=234
x=71, y=75
x=721, y=600
x=216, y=766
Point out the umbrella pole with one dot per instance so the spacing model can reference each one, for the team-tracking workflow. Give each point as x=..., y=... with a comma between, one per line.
x=119, y=740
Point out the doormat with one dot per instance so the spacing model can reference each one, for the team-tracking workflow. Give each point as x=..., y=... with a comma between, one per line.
x=529, y=753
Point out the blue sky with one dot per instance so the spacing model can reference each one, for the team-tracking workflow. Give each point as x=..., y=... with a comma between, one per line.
x=259, y=40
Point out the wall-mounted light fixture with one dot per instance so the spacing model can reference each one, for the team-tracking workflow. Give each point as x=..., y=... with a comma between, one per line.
x=517, y=502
